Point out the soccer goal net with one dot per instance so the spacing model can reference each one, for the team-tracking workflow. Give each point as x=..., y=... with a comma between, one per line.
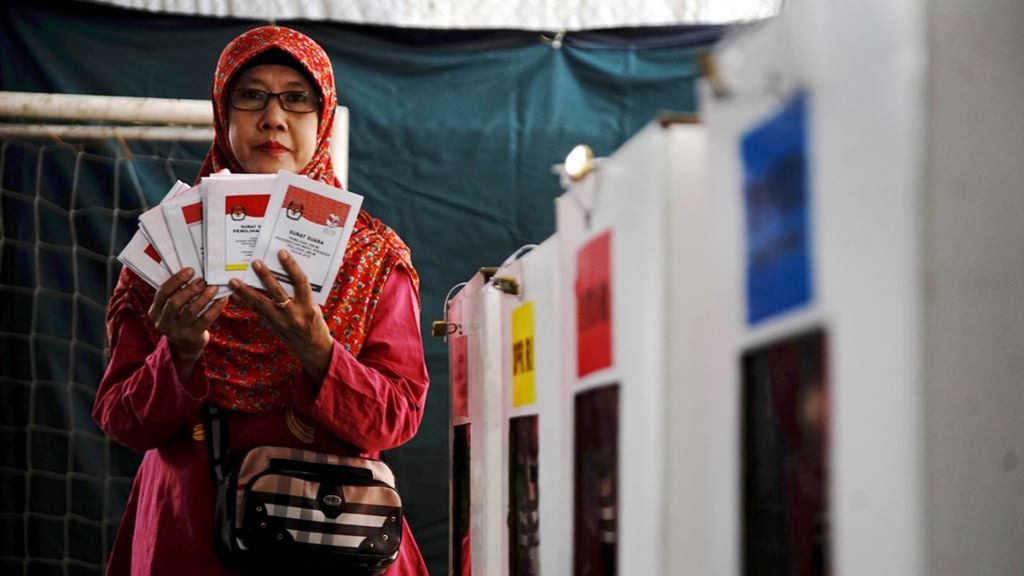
x=69, y=198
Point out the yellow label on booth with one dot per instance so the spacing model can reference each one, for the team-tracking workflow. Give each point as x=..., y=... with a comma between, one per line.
x=524, y=391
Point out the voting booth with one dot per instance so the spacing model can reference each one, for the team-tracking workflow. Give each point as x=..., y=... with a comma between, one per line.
x=504, y=343
x=817, y=406
x=791, y=332
x=865, y=390
x=625, y=239
x=535, y=414
x=473, y=322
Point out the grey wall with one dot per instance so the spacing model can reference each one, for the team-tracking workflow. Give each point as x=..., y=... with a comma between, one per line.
x=974, y=288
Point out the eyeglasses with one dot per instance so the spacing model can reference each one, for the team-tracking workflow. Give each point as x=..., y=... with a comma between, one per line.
x=293, y=101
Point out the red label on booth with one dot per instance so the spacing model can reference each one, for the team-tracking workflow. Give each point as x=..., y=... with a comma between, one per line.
x=458, y=363
x=594, y=305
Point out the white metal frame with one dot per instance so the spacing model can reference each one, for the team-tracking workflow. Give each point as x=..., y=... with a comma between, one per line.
x=39, y=115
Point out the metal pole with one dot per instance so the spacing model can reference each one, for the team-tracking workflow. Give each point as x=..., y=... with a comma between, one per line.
x=82, y=132
x=105, y=108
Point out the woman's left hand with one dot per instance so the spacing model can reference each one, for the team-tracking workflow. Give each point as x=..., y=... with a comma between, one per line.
x=297, y=321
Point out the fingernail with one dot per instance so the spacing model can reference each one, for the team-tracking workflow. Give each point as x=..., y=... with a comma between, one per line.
x=235, y=283
x=189, y=272
x=282, y=254
x=257, y=265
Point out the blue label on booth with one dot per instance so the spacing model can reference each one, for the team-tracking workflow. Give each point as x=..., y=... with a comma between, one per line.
x=776, y=201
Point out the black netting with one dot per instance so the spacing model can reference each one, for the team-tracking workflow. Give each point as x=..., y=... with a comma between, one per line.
x=65, y=213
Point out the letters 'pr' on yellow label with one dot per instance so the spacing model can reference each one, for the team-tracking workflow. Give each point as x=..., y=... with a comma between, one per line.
x=524, y=390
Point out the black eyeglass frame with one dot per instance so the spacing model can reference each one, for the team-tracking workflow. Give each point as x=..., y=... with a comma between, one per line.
x=284, y=103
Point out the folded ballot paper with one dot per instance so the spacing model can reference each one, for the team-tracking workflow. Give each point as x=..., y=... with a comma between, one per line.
x=184, y=218
x=221, y=225
x=153, y=226
x=141, y=254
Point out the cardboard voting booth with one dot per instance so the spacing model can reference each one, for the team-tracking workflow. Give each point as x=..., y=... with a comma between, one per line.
x=505, y=360
x=625, y=240
x=858, y=352
x=535, y=413
x=477, y=439
x=790, y=334
x=817, y=409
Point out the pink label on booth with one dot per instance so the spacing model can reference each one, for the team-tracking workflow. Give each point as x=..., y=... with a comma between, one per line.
x=459, y=375
x=594, y=305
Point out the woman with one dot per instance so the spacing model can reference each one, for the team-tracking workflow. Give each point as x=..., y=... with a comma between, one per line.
x=347, y=378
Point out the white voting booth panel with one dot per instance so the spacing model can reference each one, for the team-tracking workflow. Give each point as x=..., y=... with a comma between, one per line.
x=820, y=354
x=474, y=315
x=623, y=241
x=535, y=483
x=973, y=317
x=868, y=382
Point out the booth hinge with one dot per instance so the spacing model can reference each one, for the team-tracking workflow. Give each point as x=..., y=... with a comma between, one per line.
x=506, y=284
x=441, y=329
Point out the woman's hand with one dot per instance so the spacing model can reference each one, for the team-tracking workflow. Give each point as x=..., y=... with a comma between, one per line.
x=180, y=312
x=298, y=321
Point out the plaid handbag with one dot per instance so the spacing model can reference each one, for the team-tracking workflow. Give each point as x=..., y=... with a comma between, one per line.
x=302, y=511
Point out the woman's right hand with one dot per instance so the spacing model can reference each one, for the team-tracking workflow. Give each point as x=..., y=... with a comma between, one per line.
x=176, y=313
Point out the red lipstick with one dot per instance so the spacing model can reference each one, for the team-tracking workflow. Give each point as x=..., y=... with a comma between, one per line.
x=272, y=147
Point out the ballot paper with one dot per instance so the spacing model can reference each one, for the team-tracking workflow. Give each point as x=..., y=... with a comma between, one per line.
x=233, y=211
x=184, y=216
x=139, y=256
x=142, y=257
x=313, y=222
x=154, y=227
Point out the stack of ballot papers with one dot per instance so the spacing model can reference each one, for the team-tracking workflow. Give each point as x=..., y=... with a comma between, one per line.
x=218, y=227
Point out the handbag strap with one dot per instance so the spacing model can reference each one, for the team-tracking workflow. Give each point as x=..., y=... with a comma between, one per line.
x=216, y=421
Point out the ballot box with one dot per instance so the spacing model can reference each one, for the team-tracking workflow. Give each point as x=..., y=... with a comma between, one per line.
x=627, y=234
x=864, y=384
x=473, y=330
x=534, y=409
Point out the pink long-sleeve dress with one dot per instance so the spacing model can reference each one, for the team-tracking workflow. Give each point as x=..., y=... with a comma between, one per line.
x=371, y=399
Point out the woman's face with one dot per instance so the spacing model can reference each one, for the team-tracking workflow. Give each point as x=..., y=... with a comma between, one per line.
x=272, y=139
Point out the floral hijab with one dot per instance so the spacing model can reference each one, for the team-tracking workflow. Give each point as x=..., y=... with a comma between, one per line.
x=310, y=56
